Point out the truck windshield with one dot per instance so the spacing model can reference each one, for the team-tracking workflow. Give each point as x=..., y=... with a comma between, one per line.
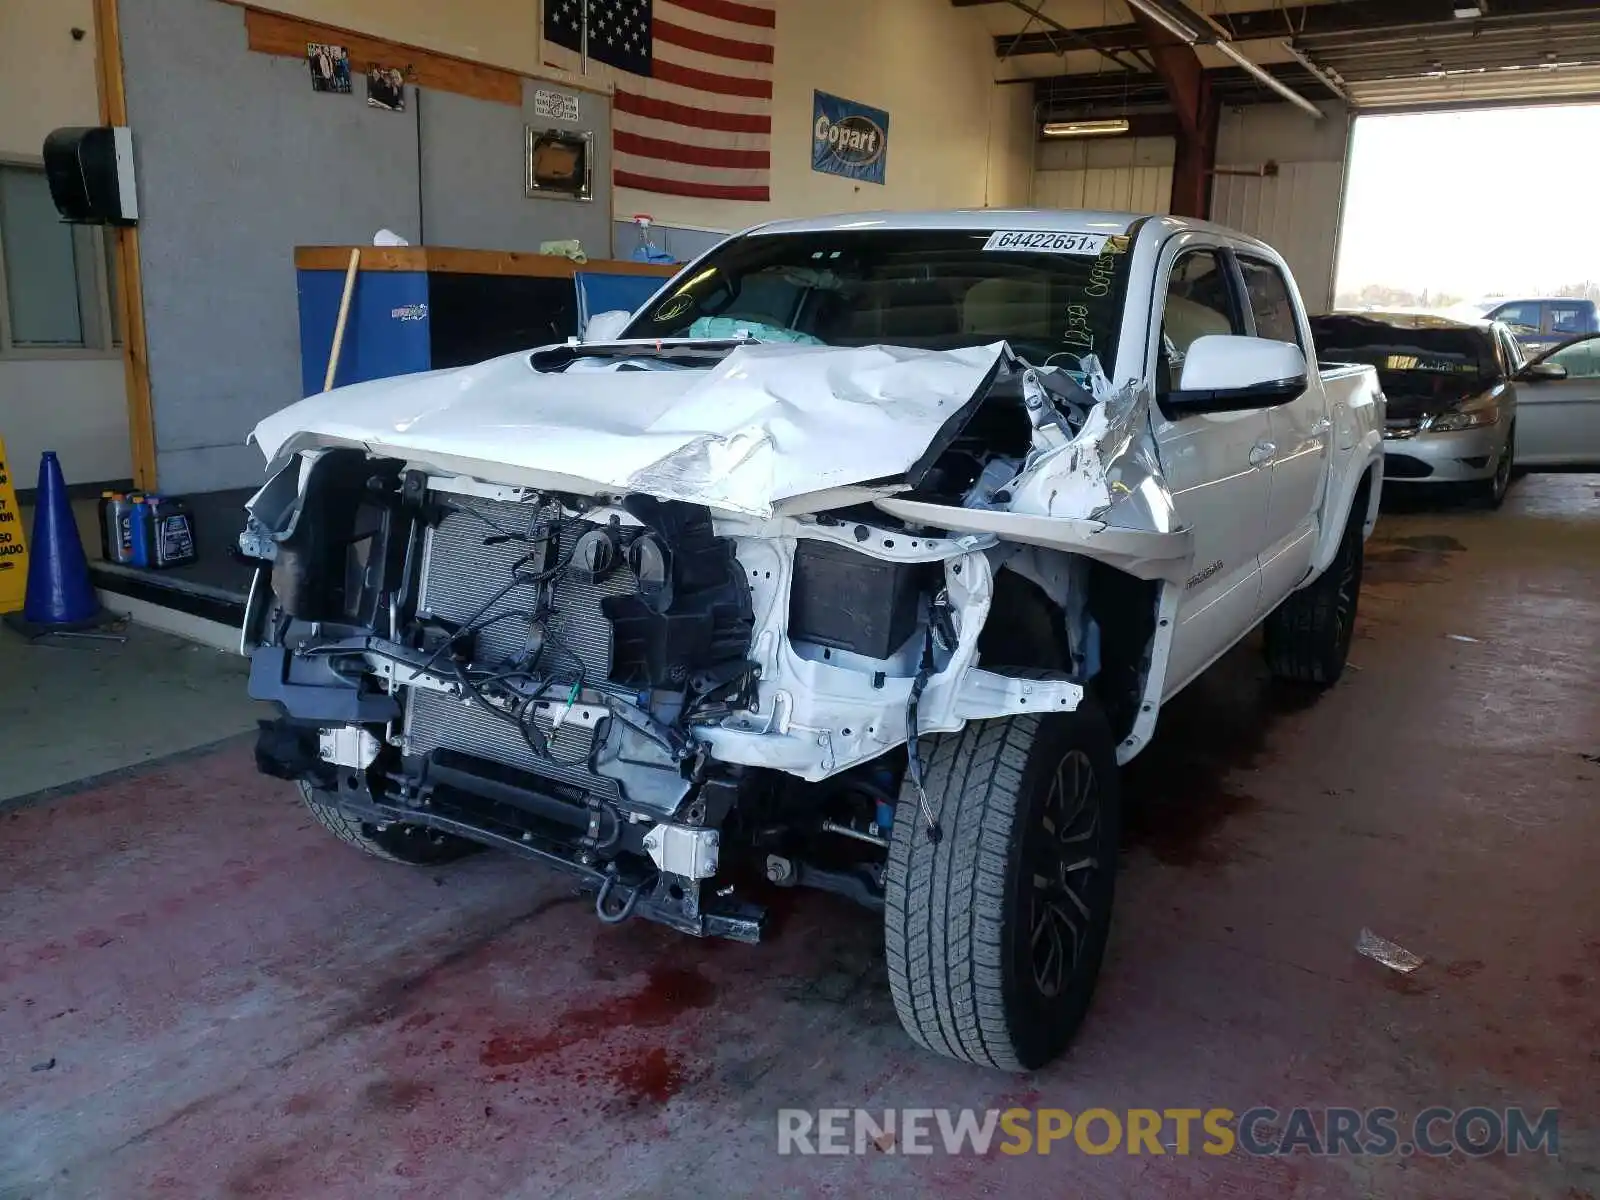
x=1055, y=297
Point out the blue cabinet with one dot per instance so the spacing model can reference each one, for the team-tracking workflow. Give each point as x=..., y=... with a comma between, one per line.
x=421, y=308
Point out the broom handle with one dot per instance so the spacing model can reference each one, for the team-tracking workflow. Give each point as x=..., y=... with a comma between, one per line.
x=344, y=316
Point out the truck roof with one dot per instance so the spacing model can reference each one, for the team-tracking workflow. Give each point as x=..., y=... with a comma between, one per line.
x=1066, y=220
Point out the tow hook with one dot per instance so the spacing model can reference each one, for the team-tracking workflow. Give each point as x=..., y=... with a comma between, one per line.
x=620, y=914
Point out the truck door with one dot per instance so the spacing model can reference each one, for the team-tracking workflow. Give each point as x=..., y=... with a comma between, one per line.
x=1298, y=436
x=1212, y=461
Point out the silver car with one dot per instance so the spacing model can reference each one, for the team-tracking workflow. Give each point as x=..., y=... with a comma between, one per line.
x=1452, y=388
x=1558, y=414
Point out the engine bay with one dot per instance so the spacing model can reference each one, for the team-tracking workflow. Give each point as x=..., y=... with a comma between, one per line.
x=615, y=681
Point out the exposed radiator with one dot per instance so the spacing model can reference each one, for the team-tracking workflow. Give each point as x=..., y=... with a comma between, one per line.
x=460, y=571
x=435, y=721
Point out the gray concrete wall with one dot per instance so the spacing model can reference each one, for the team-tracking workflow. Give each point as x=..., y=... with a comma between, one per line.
x=472, y=175
x=239, y=161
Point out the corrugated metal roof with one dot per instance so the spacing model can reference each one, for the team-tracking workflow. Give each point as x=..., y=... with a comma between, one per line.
x=1407, y=54
x=1491, y=60
x=1530, y=85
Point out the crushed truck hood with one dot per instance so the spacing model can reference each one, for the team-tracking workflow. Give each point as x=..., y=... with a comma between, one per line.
x=765, y=425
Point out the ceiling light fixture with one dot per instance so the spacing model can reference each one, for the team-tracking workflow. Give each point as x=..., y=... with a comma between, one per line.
x=1217, y=38
x=1171, y=23
x=1272, y=81
x=1109, y=128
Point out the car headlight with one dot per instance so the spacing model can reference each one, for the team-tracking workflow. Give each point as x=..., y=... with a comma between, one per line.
x=1466, y=418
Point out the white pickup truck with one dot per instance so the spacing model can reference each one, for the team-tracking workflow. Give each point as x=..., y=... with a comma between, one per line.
x=859, y=558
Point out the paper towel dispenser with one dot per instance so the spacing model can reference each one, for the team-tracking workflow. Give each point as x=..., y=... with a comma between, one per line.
x=90, y=171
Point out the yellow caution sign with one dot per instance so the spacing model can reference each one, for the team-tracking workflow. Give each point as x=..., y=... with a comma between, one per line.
x=13, y=542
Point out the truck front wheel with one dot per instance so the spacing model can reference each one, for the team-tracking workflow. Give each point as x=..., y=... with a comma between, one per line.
x=410, y=844
x=994, y=932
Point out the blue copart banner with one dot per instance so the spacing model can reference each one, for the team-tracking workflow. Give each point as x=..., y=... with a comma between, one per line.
x=849, y=139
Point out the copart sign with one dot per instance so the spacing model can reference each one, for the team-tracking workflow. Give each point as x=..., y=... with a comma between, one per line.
x=848, y=139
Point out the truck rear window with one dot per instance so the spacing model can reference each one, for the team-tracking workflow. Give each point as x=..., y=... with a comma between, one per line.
x=931, y=289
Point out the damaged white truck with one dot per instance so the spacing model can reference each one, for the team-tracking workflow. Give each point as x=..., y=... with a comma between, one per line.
x=859, y=558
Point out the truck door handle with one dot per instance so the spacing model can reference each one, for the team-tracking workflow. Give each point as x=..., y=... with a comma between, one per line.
x=1261, y=453
x=1322, y=426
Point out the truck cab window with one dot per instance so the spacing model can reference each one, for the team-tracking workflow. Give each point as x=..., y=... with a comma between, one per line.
x=1270, y=303
x=1523, y=318
x=1567, y=320
x=1199, y=301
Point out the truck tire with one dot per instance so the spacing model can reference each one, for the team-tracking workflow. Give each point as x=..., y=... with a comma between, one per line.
x=409, y=844
x=1307, y=637
x=994, y=933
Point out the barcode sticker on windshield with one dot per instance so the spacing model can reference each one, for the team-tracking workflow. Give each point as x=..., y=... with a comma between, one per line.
x=1089, y=244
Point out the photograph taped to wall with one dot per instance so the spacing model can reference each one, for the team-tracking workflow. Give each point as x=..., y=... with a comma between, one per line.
x=560, y=164
x=386, y=88
x=555, y=106
x=330, y=67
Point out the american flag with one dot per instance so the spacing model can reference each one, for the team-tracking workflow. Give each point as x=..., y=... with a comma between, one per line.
x=692, y=114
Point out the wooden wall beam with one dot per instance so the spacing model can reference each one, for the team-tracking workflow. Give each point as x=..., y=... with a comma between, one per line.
x=453, y=260
x=1189, y=88
x=130, y=280
x=272, y=33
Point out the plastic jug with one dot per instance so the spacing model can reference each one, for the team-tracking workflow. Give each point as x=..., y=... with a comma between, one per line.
x=171, y=532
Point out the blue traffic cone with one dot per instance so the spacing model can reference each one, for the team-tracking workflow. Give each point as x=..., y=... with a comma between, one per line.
x=59, y=593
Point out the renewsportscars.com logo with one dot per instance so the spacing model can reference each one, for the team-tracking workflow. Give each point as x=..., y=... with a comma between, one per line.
x=1260, y=1132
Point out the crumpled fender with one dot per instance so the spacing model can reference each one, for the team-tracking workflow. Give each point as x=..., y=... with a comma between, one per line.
x=1099, y=492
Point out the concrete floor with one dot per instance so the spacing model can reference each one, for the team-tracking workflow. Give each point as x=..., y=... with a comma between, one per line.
x=203, y=995
x=74, y=709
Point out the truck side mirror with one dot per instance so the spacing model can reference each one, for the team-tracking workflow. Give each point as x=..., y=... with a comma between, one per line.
x=1228, y=373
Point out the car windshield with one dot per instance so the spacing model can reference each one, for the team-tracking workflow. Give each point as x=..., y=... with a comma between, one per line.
x=1055, y=297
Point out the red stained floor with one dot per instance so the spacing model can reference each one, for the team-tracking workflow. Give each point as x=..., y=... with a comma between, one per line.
x=202, y=994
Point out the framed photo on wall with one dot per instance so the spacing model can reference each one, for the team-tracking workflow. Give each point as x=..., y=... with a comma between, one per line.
x=330, y=67
x=560, y=164
x=386, y=88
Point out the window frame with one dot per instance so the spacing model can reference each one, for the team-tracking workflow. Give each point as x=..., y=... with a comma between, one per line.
x=1575, y=306
x=1240, y=318
x=94, y=285
x=1535, y=330
x=1510, y=351
x=1240, y=258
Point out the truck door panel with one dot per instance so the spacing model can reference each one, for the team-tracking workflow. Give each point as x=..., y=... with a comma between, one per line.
x=1299, y=433
x=1217, y=490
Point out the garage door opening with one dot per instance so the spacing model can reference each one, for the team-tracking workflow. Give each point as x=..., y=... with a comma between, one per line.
x=1459, y=212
